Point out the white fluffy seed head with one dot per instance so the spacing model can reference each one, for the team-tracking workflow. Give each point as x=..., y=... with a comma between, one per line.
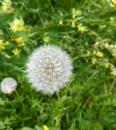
x=49, y=68
x=8, y=85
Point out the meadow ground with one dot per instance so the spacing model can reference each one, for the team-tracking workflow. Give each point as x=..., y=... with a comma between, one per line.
x=86, y=29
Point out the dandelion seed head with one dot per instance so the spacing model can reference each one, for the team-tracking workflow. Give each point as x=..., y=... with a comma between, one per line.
x=8, y=85
x=49, y=68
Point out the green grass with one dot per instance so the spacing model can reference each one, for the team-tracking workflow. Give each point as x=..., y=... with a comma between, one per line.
x=89, y=100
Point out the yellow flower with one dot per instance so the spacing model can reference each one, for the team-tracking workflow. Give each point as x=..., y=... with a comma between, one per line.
x=82, y=28
x=2, y=45
x=16, y=51
x=74, y=13
x=61, y=22
x=7, y=2
x=113, y=3
x=45, y=127
x=6, y=7
x=46, y=39
x=20, y=41
x=107, y=65
x=94, y=61
x=17, y=25
x=73, y=23
x=113, y=71
x=7, y=43
x=97, y=53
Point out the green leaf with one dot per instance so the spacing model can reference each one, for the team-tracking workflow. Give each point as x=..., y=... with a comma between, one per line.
x=38, y=128
x=27, y=128
x=96, y=126
x=54, y=128
x=2, y=125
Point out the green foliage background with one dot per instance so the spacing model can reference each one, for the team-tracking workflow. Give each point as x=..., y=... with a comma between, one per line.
x=89, y=101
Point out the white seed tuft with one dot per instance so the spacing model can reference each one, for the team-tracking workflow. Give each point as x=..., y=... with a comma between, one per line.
x=49, y=68
x=8, y=85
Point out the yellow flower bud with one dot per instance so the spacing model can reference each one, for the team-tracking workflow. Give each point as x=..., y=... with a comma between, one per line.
x=82, y=28
x=20, y=41
x=60, y=22
x=45, y=127
x=46, y=39
x=74, y=13
x=16, y=51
